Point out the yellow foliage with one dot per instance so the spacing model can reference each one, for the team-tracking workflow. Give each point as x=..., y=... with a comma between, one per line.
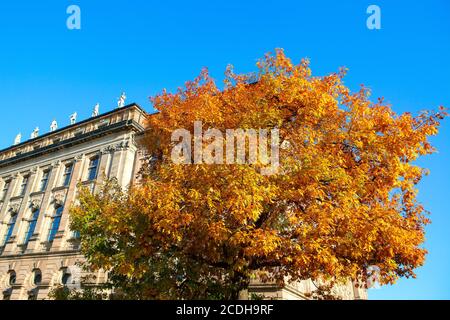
x=344, y=198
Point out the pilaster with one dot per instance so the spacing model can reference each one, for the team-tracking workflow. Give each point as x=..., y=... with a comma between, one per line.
x=63, y=231
x=33, y=244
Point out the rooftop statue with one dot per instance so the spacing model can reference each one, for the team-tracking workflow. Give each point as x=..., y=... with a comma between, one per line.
x=18, y=139
x=35, y=133
x=96, y=110
x=73, y=118
x=53, y=126
x=121, y=101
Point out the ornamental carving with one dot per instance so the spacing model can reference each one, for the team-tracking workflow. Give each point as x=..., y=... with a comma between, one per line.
x=35, y=204
x=14, y=207
x=35, y=201
x=124, y=145
x=79, y=157
x=56, y=163
x=59, y=198
x=108, y=149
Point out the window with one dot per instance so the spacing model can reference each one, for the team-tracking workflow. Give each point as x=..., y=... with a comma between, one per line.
x=5, y=190
x=66, y=278
x=92, y=170
x=31, y=226
x=37, y=280
x=67, y=174
x=44, y=180
x=37, y=277
x=23, y=186
x=10, y=228
x=12, y=277
x=76, y=235
x=56, y=220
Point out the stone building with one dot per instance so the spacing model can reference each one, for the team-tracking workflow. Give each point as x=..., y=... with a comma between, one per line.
x=38, y=180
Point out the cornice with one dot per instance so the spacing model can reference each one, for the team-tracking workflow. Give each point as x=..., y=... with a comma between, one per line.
x=75, y=125
x=122, y=125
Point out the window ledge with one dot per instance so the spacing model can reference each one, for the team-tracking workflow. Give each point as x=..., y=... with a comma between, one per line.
x=36, y=193
x=60, y=188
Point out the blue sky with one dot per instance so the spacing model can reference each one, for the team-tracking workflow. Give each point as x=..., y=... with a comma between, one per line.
x=48, y=71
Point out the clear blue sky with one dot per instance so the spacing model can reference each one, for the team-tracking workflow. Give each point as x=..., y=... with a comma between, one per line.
x=48, y=71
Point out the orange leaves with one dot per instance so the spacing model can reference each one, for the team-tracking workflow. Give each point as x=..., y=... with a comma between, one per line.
x=262, y=243
x=344, y=198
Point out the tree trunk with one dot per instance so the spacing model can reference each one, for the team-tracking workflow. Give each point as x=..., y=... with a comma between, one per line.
x=240, y=282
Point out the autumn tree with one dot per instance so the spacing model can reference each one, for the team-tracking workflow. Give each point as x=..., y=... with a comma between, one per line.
x=343, y=198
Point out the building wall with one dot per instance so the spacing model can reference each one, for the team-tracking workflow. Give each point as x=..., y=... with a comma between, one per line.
x=54, y=259
x=299, y=290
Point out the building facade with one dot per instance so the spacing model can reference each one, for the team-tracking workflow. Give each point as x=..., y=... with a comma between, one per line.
x=38, y=184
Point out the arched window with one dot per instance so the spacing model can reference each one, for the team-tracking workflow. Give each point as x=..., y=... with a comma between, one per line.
x=66, y=278
x=31, y=225
x=36, y=281
x=37, y=277
x=56, y=221
x=11, y=281
x=12, y=277
x=10, y=227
